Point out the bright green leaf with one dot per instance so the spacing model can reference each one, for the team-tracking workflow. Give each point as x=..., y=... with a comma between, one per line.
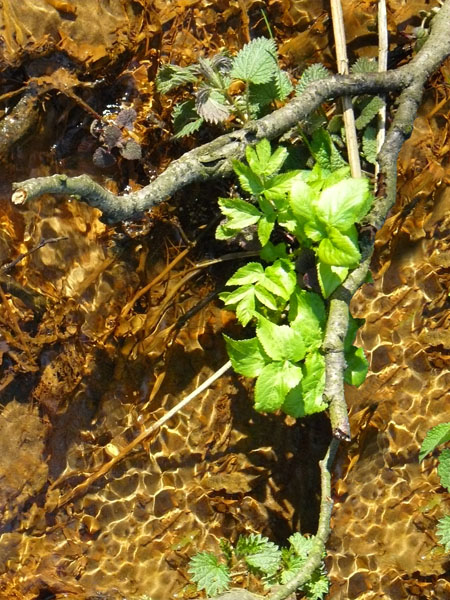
x=240, y=214
x=276, y=161
x=315, y=230
x=357, y=366
x=338, y=249
x=273, y=383
x=343, y=204
x=265, y=228
x=237, y=295
x=247, y=356
x=226, y=233
x=307, y=397
x=259, y=156
x=325, y=152
x=330, y=277
x=265, y=297
x=245, y=309
x=444, y=468
x=307, y=315
x=249, y=273
x=353, y=326
x=280, y=342
x=250, y=182
x=271, y=252
x=280, y=278
x=435, y=436
x=279, y=186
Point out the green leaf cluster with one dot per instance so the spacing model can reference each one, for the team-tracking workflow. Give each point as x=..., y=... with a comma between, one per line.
x=255, y=65
x=263, y=559
x=318, y=209
x=435, y=437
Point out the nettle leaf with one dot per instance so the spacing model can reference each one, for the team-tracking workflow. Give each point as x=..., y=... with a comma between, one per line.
x=273, y=384
x=291, y=566
x=443, y=531
x=364, y=65
x=307, y=313
x=300, y=544
x=344, y=204
x=209, y=574
x=256, y=62
x=280, y=342
x=170, y=77
x=259, y=552
x=280, y=278
x=338, y=249
x=247, y=356
x=317, y=586
x=444, y=468
x=435, y=437
x=369, y=111
x=185, y=119
x=248, y=179
x=369, y=144
x=240, y=214
x=307, y=397
x=211, y=105
x=330, y=277
x=357, y=366
x=325, y=152
x=283, y=84
x=249, y=273
x=312, y=73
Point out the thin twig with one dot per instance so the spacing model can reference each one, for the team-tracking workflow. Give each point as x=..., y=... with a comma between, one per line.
x=347, y=106
x=84, y=485
x=13, y=263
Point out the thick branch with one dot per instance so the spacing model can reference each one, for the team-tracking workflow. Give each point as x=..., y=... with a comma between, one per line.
x=214, y=159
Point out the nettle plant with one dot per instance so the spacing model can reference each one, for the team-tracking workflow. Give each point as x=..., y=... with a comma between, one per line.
x=237, y=89
x=240, y=87
x=316, y=211
x=435, y=437
x=255, y=555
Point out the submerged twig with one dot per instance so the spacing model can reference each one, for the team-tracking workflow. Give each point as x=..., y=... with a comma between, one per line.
x=13, y=263
x=84, y=485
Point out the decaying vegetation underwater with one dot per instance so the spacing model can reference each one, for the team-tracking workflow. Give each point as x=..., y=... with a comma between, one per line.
x=109, y=318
